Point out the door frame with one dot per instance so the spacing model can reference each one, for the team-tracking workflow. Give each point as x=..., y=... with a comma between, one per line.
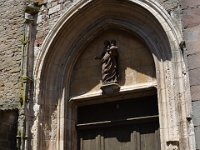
x=133, y=94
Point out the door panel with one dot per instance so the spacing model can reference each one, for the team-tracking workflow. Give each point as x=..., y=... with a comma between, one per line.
x=132, y=137
x=118, y=110
x=120, y=125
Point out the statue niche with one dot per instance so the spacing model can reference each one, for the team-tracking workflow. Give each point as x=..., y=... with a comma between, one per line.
x=109, y=67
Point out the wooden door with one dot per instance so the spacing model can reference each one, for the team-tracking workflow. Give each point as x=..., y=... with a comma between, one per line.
x=122, y=129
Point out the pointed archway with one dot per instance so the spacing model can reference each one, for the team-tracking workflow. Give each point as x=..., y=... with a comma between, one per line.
x=75, y=30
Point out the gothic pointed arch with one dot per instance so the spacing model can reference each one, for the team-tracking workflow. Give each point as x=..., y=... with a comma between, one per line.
x=75, y=30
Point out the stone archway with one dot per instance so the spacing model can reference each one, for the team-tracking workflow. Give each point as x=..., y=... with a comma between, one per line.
x=73, y=32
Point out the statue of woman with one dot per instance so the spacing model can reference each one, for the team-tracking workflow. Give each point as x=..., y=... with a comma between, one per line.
x=109, y=62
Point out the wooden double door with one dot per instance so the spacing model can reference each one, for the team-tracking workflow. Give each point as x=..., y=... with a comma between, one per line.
x=121, y=125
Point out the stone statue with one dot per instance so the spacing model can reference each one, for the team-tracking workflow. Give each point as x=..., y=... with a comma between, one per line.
x=109, y=62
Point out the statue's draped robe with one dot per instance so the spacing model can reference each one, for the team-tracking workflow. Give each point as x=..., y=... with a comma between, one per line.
x=110, y=65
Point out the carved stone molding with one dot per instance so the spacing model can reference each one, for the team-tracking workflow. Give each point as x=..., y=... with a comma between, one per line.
x=172, y=145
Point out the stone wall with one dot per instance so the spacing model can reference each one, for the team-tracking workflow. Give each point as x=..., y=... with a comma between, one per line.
x=11, y=30
x=173, y=7
x=51, y=10
x=49, y=13
x=191, y=28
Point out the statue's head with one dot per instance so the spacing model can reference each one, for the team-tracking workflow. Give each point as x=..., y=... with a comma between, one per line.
x=113, y=42
x=107, y=43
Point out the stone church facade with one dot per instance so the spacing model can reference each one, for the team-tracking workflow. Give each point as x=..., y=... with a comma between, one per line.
x=51, y=91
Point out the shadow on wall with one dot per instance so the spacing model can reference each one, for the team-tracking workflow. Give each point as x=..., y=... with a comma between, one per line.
x=8, y=129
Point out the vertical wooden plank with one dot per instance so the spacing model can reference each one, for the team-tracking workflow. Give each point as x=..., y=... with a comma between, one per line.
x=111, y=142
x=102, y=142
x=87, y=140
x=157, y=140
x=98, y=142
x=150, y=140
x=142, y=140
x=118, y=139
x=134, y=141
x=138, y=139
x=81, y=143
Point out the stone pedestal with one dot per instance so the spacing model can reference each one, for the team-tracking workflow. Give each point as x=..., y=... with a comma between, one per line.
x=110, y=88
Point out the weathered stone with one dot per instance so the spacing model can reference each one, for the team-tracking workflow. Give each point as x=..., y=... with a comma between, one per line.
x=61, y=1
x=40, y=2
x=54, y=9
x=194, y=60
x=11, y=31
x=191, y=18
x=191, y=24
x=194, y=76
x=195, y=92
x=196, y=112
x=197, y=131
x=39, y=19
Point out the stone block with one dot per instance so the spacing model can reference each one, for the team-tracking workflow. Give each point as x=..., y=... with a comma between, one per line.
x=194, y=76
x=197, y=137
x=49, y=1
x=40, y=2
x=191, y=17
x=61, y=1
x=190, y=3
x=196, y=112
x=54, y=9
x=195, y=92
x=193, y=46
x=39, y=19
x=192, y=34
x=194, y=61
x=54, y=3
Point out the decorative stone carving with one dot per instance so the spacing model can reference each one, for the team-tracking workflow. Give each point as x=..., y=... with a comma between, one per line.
x=182, y=45
x=109, y=61
x=109, y=70
x=172, y=145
